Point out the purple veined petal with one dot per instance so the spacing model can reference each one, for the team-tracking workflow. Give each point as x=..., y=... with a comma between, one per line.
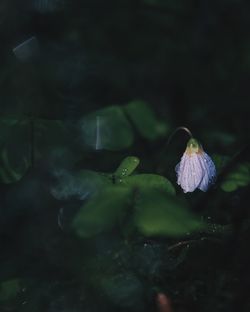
x=212, y=169
x=180, y=168
x=177, y=168
x=195, y=173
x=183, y=175
x=189, y=172
x=209, y=172
x=203, y=186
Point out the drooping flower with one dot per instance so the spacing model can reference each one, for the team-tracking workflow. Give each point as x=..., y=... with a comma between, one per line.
x=196, y=169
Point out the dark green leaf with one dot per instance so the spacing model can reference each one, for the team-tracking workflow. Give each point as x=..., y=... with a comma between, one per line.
x=220, y=162
x=9, y=289
x=101, y=211
x=107, y=129
x=124, y=290
x=148, y=182
x=239, y=177
x=79, y=185
x=160, y=214
x=15, y=149
x=128, y=165
x=145, y=120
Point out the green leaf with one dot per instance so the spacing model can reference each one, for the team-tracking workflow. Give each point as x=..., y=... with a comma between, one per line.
x=166, y=215
x=79, y=185
x=239, y=177
x=107, y=129
x=9, y=289
x=93, y=181
x=148, y=182
x=14, y=149
x=145, y=120
x=220, y=161
x=124, y=290
x=127, y=166
x=101, y=211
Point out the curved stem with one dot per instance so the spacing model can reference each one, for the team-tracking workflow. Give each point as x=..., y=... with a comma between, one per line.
x=178, y=129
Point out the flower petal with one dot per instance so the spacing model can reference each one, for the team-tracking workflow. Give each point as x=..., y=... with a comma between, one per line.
x=189, y=172
x=209, y=170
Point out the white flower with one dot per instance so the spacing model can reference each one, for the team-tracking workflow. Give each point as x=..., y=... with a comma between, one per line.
x=196, y=169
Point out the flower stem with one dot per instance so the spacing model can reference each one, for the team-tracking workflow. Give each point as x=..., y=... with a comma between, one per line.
x=178, y=129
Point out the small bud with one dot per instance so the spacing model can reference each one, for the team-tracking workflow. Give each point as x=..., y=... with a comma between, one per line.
x=196, y=169
x=163, y=303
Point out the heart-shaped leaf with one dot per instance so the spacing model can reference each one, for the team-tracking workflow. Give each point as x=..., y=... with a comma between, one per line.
x=101, y=211
x=164, y=215
x=145, y=120
x=148, y=182
x=106, y=129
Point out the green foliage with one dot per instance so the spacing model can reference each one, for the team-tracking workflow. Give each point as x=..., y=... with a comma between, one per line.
x=101, y=211
x=129, y=204
x=14, y=149
x=164, y=215
x=127, y=167
x=92, y=182
x=145, y=120
x=46, y=139
x=108, y=203
x=50, y=140
x=238, y=177
x=107, y=129
x=220, y=162
x=144, y=182
x=9, y=289
x=10, y=174
x=157, y=212
x=125, y=290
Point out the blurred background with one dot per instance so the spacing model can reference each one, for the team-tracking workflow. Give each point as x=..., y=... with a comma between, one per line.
x=189, y=59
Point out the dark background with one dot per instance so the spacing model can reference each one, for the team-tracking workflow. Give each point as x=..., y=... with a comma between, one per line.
x=189, y=59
